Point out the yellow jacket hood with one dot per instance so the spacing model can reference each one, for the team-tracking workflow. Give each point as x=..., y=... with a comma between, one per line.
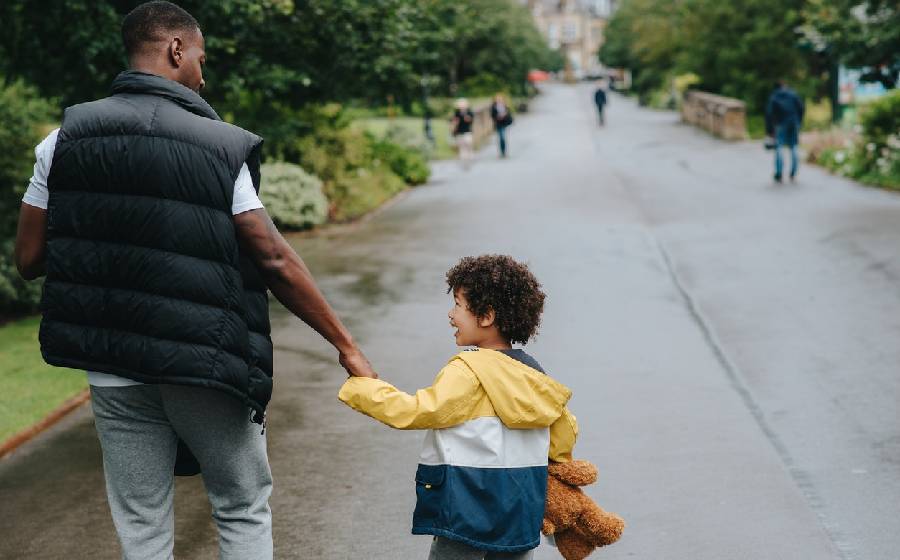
x=522, y=396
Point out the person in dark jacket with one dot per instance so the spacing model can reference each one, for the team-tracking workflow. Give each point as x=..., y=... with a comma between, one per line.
x=143, y=213
x=784, y=115
x=461, y=126
x=600, y=100
x=501, y=115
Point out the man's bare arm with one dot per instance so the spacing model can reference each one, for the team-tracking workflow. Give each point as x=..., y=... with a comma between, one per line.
x=292, y=284
x=31, y=241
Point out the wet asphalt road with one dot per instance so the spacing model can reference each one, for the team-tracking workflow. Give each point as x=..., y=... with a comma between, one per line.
x=732, y=347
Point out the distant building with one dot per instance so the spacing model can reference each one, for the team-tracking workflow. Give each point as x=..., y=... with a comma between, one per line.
x=576, y=27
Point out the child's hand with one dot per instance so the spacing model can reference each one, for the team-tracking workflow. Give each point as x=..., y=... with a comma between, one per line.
x=356, y=364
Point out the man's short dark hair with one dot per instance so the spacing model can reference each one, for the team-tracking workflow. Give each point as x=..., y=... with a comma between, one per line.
x=500, y=283
x=149, y=22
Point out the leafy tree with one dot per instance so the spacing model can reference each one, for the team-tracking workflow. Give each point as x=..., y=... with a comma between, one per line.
x=283, y=52
x=858, y=34
x=645, y=36
x=742, y=47
x=737, y=48
x=69, y=49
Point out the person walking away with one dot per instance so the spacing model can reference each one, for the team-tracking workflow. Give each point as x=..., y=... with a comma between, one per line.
x=461, y=125
x=502, y=117
x=158, y=255
x=784, y=115
x=600, y=100
x=494, y=420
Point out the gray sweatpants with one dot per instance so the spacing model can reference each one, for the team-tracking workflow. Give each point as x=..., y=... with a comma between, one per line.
x=446, y=549
x=139, y=427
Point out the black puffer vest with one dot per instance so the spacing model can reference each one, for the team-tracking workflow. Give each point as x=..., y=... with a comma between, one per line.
x=144, y=275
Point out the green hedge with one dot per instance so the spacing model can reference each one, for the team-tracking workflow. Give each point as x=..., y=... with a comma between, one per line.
x=408, y=163
x=293, y=197
x=358, y=172
x=25, y=117
x=875, y=158
x=880, y=153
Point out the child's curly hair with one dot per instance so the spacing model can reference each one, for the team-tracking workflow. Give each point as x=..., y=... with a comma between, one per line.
x=500, y=283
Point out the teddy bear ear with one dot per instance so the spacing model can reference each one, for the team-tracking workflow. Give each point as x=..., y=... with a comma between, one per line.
x=576, y=473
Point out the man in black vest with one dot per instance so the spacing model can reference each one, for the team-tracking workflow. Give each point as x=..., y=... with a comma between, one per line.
x=143, y=213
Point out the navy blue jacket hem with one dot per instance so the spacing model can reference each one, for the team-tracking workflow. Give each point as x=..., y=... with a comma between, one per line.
x=477, y=544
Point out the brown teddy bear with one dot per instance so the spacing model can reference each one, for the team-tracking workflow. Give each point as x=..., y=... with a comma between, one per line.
x=577, y=524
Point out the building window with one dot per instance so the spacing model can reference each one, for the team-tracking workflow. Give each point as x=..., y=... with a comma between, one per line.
x=553, y=35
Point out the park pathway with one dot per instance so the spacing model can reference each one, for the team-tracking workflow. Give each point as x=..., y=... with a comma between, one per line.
x=732, y=347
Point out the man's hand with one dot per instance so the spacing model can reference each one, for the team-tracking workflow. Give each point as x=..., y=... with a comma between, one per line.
x=356, y=364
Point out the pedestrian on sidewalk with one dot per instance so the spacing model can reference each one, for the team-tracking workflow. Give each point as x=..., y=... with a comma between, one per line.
x=493, y=419
x=158, y=254
x=784, y=115
x=461, y=127
x=501, y=115
x=600, y=100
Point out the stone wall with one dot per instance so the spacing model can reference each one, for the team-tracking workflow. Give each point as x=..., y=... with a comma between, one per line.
x=724, y=117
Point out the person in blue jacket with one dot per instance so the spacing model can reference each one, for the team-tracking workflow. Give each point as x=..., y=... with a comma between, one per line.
x=784, y=114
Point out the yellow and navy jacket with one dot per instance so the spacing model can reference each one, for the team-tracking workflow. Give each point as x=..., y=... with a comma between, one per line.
x=492, y=421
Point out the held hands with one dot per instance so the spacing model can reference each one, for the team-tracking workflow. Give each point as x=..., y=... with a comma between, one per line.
x=356, y=364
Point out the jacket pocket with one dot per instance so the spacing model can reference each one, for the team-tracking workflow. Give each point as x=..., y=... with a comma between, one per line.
x=430, y=495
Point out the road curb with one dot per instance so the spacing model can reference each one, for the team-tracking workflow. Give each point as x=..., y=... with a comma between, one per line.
x=26, y=435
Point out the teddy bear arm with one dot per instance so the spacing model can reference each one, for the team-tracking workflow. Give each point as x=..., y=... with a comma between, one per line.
x=573, y=546
x=598, y=526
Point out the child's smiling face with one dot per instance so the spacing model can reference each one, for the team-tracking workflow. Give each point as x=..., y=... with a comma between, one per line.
x=470, y=330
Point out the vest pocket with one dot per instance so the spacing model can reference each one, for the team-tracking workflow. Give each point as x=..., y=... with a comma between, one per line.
x=430, y=495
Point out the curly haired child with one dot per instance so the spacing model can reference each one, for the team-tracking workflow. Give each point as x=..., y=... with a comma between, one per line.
x=493, y=419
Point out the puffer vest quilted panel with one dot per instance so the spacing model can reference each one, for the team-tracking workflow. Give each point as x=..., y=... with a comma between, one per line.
x=145, y=278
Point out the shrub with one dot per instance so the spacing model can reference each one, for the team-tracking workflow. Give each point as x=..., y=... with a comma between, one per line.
x=354, y=181
x=293, y=197
x=16, y=295
x=482, y=85
x=25, y=117
x=879, y=151
x=358, y=172
x=873, y=157
x=881, y=119
x=409, y=164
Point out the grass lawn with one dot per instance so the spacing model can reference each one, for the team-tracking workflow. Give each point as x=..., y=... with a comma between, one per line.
x=29, y=388
x=412, y=128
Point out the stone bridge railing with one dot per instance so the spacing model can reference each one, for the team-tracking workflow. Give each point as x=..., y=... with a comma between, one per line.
x=724, y=117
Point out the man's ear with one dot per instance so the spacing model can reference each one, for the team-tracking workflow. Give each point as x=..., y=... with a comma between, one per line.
x=488, y=319
x=176, y=52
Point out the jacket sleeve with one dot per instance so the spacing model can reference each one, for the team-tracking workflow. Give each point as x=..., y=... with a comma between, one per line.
x=446, y=403
x=563, y=433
